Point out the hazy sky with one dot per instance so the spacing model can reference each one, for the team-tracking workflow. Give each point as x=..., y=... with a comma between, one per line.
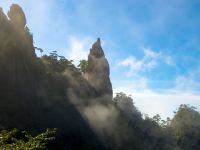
x=152, y=45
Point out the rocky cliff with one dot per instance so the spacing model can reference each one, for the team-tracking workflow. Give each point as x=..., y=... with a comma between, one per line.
x=32, y=98
x=19, y=71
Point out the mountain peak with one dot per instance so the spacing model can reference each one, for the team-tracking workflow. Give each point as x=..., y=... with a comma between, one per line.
x=98, y=70
x=17, y=15
x=99, y=41
x=96, y=49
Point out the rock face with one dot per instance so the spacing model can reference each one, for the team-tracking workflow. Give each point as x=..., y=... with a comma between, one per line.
x=18, y=66
x=98, y=71
x=30, y=98
x=17, y=16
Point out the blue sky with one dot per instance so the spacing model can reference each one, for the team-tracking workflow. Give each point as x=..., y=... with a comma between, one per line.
x=152, y=45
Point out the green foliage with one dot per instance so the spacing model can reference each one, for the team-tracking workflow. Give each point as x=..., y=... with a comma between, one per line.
x=58, y=64
x=66, y=64
x=163, y=123
x=157, y=118
x=147, y=132
x=13, y=140
x=185, y=127
x=125, y=104
x=37, y=48
x=83, y=66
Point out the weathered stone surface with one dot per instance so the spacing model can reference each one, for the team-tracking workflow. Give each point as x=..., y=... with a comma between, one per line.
x=17, y=15
x=18, y=69
x=98, y=71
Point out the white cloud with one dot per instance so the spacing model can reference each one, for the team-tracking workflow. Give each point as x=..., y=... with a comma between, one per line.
x=134, y=64
x=163, y=103
x=148, y=53
x=189, y=81
x=132, y=86
x=78, y=48
x=185, y=83
x=149, y=61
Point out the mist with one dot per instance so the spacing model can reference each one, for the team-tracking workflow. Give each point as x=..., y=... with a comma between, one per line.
x=49, y=91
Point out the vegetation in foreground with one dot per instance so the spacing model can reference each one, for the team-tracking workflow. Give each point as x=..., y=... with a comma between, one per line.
x=15, y=140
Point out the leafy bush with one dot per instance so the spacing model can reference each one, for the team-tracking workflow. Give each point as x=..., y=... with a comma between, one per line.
x=15, y=140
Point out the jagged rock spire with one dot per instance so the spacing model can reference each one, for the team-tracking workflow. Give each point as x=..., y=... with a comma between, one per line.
x=98, y=70
x=96, y=49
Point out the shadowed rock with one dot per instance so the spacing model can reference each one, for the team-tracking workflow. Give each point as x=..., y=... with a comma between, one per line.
x=98, y=70
x=23, y=79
